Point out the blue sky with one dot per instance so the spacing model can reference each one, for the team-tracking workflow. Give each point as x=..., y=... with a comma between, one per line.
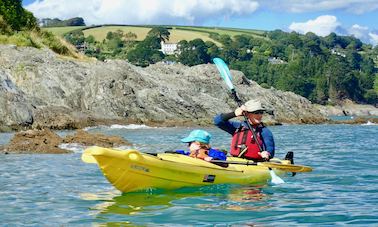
x=345, y=17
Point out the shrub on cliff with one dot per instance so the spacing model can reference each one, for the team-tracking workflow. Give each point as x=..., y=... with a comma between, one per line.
x=4, y=27
x=18, y=26
x=17, y=17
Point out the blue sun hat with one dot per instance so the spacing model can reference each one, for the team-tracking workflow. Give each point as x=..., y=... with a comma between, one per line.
x=198, y=135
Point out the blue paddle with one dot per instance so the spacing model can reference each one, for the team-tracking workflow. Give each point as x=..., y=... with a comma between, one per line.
x=226, y=76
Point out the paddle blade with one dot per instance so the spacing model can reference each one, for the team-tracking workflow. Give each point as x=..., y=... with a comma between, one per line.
x=286, y=167
x=224, y=72
x=274, y=178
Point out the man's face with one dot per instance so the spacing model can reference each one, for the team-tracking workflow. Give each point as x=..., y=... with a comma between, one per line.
x=255, y=117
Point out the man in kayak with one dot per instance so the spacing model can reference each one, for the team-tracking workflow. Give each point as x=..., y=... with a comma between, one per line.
x=199, y=146
x=243, y=143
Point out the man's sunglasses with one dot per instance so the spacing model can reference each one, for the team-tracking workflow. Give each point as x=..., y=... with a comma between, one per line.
x=257, y=112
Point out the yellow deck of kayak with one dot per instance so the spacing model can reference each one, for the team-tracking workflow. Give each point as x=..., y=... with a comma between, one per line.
x=131, y=170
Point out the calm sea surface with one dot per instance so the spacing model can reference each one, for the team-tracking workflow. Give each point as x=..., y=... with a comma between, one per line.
x=60, y=190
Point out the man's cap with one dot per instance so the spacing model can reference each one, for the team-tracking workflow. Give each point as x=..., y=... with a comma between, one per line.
x=254, y=105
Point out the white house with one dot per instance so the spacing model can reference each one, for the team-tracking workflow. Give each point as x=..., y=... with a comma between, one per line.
x=168, y=48
x=334, y=51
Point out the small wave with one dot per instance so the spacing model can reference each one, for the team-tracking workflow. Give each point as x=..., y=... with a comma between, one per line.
x=122, y=148
x=369, y=123
x=116, y=126
x=131, y=126
x=93, y=127
x=74, y=147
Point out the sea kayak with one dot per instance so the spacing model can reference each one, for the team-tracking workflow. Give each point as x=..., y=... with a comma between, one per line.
x=131, y=170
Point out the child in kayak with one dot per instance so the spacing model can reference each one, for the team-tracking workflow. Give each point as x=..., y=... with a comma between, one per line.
x=199, y=146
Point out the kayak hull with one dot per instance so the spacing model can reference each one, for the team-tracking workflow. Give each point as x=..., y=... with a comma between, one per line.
x=132, y=170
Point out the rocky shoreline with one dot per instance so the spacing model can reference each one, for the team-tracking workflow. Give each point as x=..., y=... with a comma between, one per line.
x=46, y=141
x=40, y=89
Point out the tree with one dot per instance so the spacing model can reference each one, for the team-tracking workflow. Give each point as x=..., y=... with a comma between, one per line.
x=17, y=17
x=193, y=52
x=115, y=43
x=146, y=52
x=75, y=37
x=76, y=21
x=371, y=97
x=321, y=90
x=109, y=35
x=225, y=39
x=212, y=49
x=161, y=32
x=4, y=27
x=90, y=39
x=130, y=36
x=143, y=56
x=331, y=40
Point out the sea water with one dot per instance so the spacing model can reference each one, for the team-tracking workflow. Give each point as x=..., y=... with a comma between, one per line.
x=60, y=190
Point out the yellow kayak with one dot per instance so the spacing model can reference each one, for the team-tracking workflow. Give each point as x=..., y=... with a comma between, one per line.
x=131, y=170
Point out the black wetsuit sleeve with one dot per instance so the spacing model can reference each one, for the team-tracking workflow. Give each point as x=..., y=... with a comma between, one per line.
x=228, y=116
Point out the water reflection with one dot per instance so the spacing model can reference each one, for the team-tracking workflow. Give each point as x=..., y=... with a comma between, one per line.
x=241, y=198
x=133, y=205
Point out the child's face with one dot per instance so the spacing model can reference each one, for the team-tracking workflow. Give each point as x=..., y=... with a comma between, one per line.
x=193, y=146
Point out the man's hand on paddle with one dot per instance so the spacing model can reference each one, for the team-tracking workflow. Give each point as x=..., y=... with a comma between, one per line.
x=239, y=111
x=264, y=155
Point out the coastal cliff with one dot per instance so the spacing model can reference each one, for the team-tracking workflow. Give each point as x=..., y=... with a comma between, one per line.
x=39, y=88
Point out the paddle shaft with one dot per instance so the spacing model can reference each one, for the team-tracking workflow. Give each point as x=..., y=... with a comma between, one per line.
x=284, y=167
x=247, y=163
x=240, y=103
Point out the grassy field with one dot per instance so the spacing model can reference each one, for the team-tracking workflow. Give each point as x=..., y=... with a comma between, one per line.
x=177, y=32
x=224, y=31
x=100, y=32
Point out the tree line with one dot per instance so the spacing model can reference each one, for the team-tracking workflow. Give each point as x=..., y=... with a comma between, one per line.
x=56, y=22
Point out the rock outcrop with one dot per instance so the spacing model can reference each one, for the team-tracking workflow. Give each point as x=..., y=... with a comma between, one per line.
x=35, y=141
x=95, y=139
x=47, y=141
x=348, y=108
x=41, y=89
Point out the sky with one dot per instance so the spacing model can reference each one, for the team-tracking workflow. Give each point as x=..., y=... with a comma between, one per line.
x=344, y=17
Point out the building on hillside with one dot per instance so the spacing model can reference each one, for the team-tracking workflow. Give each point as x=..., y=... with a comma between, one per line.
x=276, y=61
x=169, y=48
x=82, y=47
x=336, y=52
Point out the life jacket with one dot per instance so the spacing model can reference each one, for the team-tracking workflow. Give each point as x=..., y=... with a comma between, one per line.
x=214, y=153
x=244, y=145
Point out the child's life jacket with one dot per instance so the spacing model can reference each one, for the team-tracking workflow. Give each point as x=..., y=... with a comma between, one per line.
x=214, y=153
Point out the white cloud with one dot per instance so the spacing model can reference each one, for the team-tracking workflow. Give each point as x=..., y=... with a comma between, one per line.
x=300, y=6
x=143, y=11
x=373, y=38
x=358, y=31
x=322, y=25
